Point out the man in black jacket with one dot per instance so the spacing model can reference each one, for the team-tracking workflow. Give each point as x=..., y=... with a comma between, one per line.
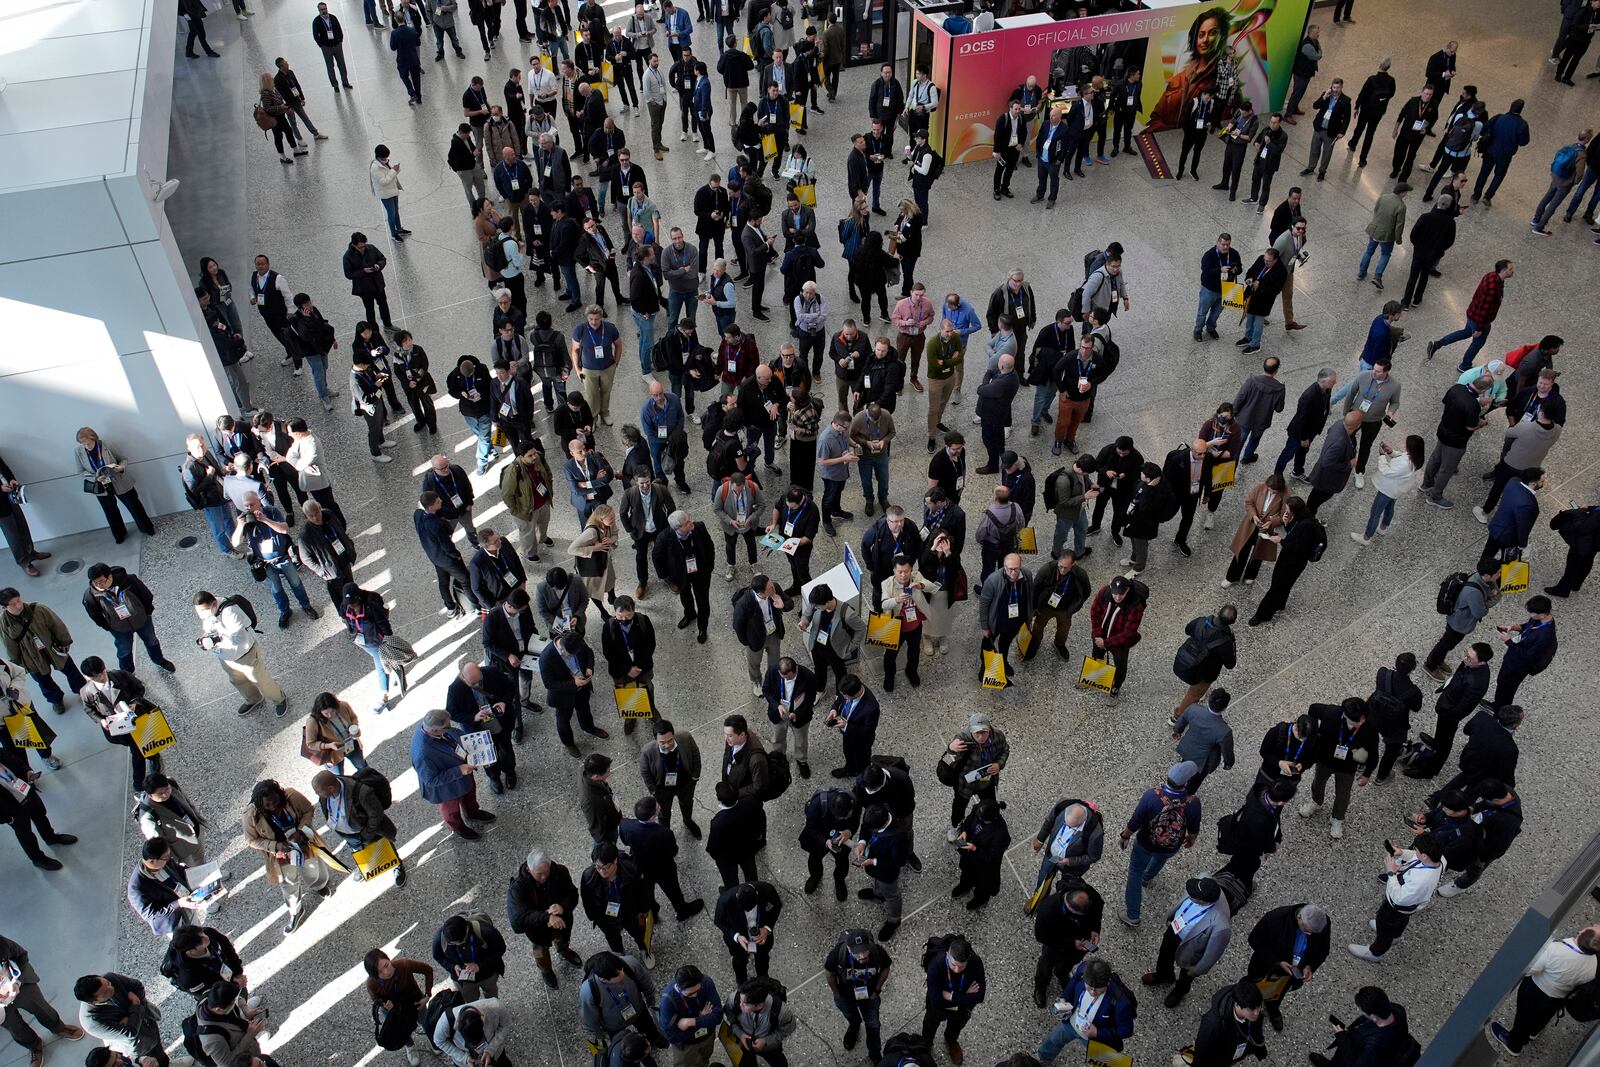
x=757, y=620
x=1490, y=752
x=1187, y=472
x=1372, y=103
x=747, y=914
x=495, y=570
x=737, y=831
x=122, y=605
x=1288, y=946
x=1431, y=237
x=486, y=698
x=540, y=904
x=655, y=850
x=509, y=635
x=433, y=532
x=1256, y=829
x=1060, y=589
x=832, y=820
x=1580, y=529
x=1331, y=117
x=473, y=953
x=1310, y=417
x=1066, y=923
x=329, y=36
x=1468, y=684
x=1379, y=1036
x=617, y=898
x=363, y=267
x=684, y=560
x=628, y=643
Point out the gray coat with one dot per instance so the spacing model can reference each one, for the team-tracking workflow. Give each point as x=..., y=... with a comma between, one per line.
x=121, y=481
x=1204, y=940
x=688, y=763
x=1528, y=443
x=1333, y=463
x=764, y=1022
x=1257, y=400
x=602, y=1015
x=1472, y=604
x=845, y=633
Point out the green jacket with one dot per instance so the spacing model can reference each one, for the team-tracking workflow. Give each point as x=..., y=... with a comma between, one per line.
x=520, y=494
x=32, y=638
x=944, y=357
x=1388, y=219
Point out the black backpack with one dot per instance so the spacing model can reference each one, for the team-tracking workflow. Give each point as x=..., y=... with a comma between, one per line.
x=786, y=18
x=494, y=254
x=1583, y=1005
x=1091, y=261
x=1450, y=592
x=1459, y=135
x=240, y=601
x=1051, y=496
x=371, y=776
x=191, y=1042
x=1321, y=544
x=936, y=946
x=906, y=1049
x=779, y=776
x=935, y=166
x=440, y=1007
x=197, y=500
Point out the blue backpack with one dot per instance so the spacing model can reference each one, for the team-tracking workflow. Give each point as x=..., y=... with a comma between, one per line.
x=1565, y=165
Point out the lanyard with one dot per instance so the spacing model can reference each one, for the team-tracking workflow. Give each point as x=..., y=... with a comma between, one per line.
x=595, y=339
x=95, y=462
x=1288, y=736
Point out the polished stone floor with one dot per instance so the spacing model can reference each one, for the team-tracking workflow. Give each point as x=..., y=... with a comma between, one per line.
x=1350, y=614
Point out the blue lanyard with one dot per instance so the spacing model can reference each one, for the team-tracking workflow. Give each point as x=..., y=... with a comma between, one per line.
x=95, y=462
x=1288, y=737
x=595, y=340
x=447, y=483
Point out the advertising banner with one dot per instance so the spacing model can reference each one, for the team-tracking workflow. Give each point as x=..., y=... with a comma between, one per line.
x=1241, y=48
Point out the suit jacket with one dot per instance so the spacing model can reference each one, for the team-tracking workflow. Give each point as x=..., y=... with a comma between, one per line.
x=1007, y=131
x=844, y=629
x=749, y=624
x=154, y=899
x=495, y=577
x=462, y=703
x=557, y=677
x=638, y=650
x=737, y=831
x=1176, y=468
x=671, y=557
x=746, y=771
x=804, y=700
x=654, y=847
x=434, y=531
x=504, y=636
x=1310, y=412
x=861, y=730
x=731, y=919
x=327, y=35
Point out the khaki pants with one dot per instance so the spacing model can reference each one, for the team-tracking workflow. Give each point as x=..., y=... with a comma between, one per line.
x=251, y=678
x=1288, y=301
x=597, y=390
x=939, y=390
x=801, y=735
x=541, y=953
x=696, y=1054
x=531, y=531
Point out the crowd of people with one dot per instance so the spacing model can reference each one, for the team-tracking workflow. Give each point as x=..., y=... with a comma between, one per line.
x=538, y=401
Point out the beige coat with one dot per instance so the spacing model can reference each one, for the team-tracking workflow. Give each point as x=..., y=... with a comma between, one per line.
x=1274, y=516
x=258, y=830
x=585, y=547
x=319, y=731
x=121, y=481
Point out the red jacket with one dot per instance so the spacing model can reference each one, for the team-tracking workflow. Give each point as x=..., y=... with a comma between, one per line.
x=1124, y=632
x=744, y=359
x=1486, y=299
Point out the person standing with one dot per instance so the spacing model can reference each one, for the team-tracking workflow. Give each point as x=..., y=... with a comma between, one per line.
x=1237, y=136
x=1199, y=123
x=541, y=901
x=1387, y=226
x=689, y=1014
x=278, y=823
x=1010, y=135
x=956, y=985
x=1431, y=237
x=1410, y=877
x=1198, y=930
x=1267, y=150
x=406, y=43
x=1219, y=264
x=856, y=970
x=107, y=471
x=1306, y=60
x=1371, y=104
x=122, y=605
x=1463, y=416
x=1289, y=945
x=1530, y=648
x=1560, y=969
x=38, y=640
x=1165, y=821
x=434, y=532
x=1331, y=119
x=444, y=777
x=1375, y=396
x=20, y=992
x=329, y=38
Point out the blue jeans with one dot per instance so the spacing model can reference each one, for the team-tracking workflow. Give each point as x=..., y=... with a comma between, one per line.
x=319, y=374
x=1058, y=1039
x=1249, y=439
x=1143, y=866
x=1291, y=451
x=1044, y=397
x=369, y=11
x=391, y=210
x=1253, y=325
x=1590, y=177
x=869, y=464
x=1080, y=532
x=877, y=186
x=1382, y=513
x=1208, y=310
x=220, y=518
x=647, y=339
x=1461, y=335
x=1362, y=366
x=376, y=652
x=124, y=643
x=569, y=276
x=358, y=760
x=1548, y=203
x=1383, y=248
x=279, y=572
x=864, y=1012
x=480, y=426
x=47, y=684
x=676, y=302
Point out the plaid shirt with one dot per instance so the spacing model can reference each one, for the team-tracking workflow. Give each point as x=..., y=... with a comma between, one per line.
x=1486, y=299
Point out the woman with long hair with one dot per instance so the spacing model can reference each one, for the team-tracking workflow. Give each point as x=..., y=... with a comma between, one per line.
x=593, y=549
x=1266, y=506
x=1397, y=472
x=272, y=103
x=332, y=735
x=852, y=229
x=906, y=232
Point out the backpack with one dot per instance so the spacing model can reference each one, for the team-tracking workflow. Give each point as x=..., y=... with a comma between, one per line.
x=1459, y=135
x=1321, y=545
x=238, y=600
x=371, y=776
x=1565, y=165
x=1450, y=592
x=392, y=1031
x=1386, y=709
x=1091, y=261
x=1192, y=653
x=1166, y=828
x=494, y=254
x=1420, y=760
x=1583, y=1005
x=907, y=1048
x=191, y=1042
x=785, y=18
x=439, y=1008
x=1051, y=496
x=1075, y=303
x=935, y=165
x=264, y=118
x=1234, y=889
x=936, y=947
x=194, y=497
x=779, y=776
x=1228, y=831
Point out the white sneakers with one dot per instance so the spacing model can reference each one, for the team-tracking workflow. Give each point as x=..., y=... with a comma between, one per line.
x=1361, y=480
x=1336, y=828
x=1450, y=890
x=382, y=458
x=1362, y=952
x=1360, y=539
x=1481, y=515
x=1226, y=583
x=1211, y=519
x=411, y=1056
x=1308, y=808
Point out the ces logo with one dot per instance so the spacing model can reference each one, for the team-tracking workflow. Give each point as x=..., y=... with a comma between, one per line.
x=974, y=47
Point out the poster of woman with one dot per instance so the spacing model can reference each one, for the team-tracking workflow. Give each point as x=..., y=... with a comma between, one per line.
x=1225, y=49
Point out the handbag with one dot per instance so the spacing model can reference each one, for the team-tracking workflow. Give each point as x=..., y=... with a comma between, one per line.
x=883, y=631
x=806, y=194
x=994, y=669
x=633, y=701
x=152, y=734
x=1027, y=541
x=1096, y=674
x=24, y=732
x=375, y=858
x=1103, y=1055
x=797, y=115
x=1222, y=475
x=769, y=146
x=95, y=487
x=1514, y=576
x=1273, y=989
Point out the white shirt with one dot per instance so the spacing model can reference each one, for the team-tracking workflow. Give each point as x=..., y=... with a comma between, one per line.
x=1560, y=967
x=231, y=628
x=1088, y=1004
x=1413, y=887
